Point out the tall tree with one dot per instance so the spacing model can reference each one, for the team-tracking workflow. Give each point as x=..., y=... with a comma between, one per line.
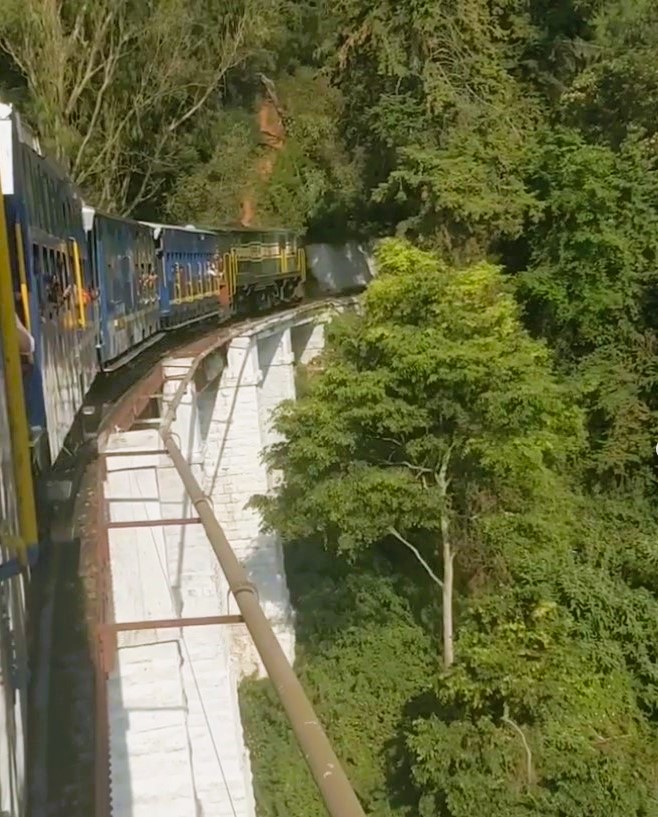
x=433, y=409
x=115, y=86
x=435, y=106
x=305, y=179
x=617, y=89
x=589, y=288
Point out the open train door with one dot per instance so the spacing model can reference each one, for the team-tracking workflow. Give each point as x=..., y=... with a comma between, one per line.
x=226, y=280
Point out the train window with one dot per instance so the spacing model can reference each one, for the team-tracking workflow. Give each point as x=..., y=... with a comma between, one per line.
x=50, y=204
x=62, y=272
x=61, y=210
x=29, y=185
x=39, y=196
x=27, y=176
x=43, y=194
x=67, y=262
x=152, y=281
x=51, y=283
x=53, y=203
x=126, y=279
x=35, y=204
x=38, y=274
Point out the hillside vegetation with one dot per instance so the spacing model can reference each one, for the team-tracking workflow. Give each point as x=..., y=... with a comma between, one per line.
x=468, y=486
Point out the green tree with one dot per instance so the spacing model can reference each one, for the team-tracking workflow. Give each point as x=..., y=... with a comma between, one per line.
x=550, y=707
x=211, y=192
x=434, y=408
x=312, y=181
x=589, y=288
x=617, y=89
x=362, y=656
x=115, y=87
x=442, y=119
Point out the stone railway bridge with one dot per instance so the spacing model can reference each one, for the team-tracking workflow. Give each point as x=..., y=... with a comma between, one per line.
x=169, y=736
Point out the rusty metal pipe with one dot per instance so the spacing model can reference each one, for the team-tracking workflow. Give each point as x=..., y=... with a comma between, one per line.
x=171, y=623
x=329, y=776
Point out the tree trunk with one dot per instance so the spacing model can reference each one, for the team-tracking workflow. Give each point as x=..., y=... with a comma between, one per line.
x=448, y=566
x=448, y=582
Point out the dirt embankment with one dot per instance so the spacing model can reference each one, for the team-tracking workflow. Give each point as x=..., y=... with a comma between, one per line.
x=273, y=138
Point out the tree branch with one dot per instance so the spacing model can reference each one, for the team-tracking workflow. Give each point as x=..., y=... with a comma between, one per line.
x=227, y=62
x=94, y=63
x=417, y=554
x=441, y=477
x=419, y=468
x=506, y=719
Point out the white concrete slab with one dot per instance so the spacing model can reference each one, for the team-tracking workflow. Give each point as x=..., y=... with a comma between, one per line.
x=151, y=773
x=176, y=738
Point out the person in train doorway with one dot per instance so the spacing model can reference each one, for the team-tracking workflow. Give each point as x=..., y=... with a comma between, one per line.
x=25, y=344
x=31, y=383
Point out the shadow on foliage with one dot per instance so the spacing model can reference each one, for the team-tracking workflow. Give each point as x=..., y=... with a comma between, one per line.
x=404, y=795
x=331, y=594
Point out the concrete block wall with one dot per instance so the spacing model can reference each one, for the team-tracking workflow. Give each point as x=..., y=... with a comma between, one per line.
x=307, y=341
x=175, y=733
x=234, y=472
x=200, y=589
x=258, y=375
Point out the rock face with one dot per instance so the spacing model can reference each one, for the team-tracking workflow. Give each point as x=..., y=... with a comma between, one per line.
x=273, y=138
x=338, y=268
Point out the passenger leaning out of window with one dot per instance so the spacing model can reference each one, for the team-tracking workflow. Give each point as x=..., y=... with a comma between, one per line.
x=25, y=340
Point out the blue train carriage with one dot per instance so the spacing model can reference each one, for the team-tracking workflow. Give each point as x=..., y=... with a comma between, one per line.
x=52, y=278
x=270, y=268
x=195, y=280
x=125, y=272
x=13, y=694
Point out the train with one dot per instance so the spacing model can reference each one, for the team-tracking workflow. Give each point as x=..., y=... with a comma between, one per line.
x=94, y=289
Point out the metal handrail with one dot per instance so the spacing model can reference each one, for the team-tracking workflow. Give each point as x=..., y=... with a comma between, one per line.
x=330, y=777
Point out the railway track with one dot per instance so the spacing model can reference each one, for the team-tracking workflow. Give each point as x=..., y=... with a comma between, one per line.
x=78, y=580
x=60, y=485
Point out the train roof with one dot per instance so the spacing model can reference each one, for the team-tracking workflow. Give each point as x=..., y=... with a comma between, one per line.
x=89, y=213
x=11, y=124
x=159, y=226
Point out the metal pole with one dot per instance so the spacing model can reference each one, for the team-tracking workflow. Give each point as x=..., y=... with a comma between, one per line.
x=331, y=780
x=18, y=430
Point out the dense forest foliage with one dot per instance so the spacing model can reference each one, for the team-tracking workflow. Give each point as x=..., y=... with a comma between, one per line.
x=469, y=477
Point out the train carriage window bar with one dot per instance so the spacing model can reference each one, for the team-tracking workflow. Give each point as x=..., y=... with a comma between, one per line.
x=53, y=284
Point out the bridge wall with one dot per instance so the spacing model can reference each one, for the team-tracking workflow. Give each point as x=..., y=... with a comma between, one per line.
x=175, y=734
